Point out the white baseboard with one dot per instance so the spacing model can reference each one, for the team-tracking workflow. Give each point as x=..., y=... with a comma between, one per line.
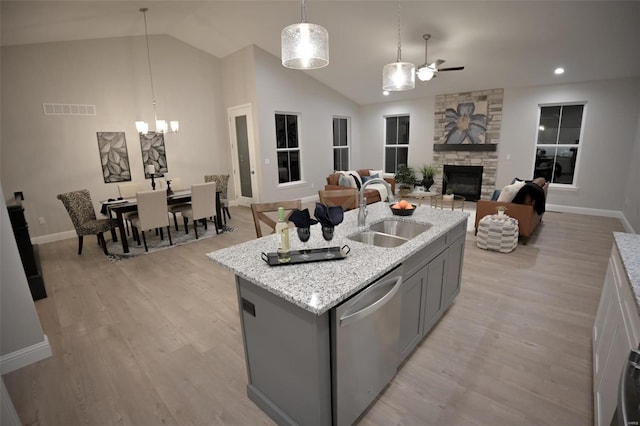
x=25, y=356
x=593, y=212
x=42, y=239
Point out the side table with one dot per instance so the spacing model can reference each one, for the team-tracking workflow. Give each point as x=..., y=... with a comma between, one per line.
x=499, y=233
x=420, y=195
x=439, y=201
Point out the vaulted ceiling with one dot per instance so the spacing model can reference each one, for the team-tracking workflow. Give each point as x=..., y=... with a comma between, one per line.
x=501, y=44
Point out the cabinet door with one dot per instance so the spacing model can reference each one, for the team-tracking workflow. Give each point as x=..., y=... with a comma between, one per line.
x=433, y=285
x=410, y=330
x=451, y=285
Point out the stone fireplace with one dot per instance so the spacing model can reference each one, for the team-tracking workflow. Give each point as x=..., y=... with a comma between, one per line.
x=484, y=155
x=463, y=180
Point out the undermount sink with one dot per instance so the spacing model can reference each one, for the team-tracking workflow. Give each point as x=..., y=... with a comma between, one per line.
x=390, y=233
x=399, y=228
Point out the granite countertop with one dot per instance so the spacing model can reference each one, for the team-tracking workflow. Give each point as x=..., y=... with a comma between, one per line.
x=629, y=248
x=319, y=286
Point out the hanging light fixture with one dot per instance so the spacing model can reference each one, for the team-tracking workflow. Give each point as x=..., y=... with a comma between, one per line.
x=305, y=46
x=161, y=125
x=398, y=76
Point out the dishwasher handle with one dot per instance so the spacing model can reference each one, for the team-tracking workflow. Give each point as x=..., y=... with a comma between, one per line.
x=349, y=318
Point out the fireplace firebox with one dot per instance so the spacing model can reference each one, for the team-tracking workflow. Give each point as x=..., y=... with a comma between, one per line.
x=463, y=180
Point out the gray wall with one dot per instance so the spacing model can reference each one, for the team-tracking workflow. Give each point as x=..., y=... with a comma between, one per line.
x=631, y=207
x=283, y=90
x=19, y=322
x=46, y=155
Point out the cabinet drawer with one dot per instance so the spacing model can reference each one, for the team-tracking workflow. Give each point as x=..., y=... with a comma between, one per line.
x=424, y=256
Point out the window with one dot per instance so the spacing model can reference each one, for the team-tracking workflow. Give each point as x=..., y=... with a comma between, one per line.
x=340, y=143
x=558, y=142
x=396, y=144
x=287, y=148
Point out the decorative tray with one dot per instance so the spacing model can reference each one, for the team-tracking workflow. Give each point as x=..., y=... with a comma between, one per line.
x=308, y=256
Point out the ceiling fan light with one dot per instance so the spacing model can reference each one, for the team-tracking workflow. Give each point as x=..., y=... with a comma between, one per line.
x=399, y=76
x=426, y=73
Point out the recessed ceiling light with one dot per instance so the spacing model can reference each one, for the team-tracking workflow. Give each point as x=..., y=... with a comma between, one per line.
x=385, y=92
x=559, y=71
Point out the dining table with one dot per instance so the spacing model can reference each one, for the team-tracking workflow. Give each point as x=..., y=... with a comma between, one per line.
x=126, y=205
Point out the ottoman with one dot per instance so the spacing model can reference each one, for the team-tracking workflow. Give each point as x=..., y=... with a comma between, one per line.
x=498, y=233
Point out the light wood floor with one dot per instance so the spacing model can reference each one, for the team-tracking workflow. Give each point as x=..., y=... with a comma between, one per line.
x=156, y=339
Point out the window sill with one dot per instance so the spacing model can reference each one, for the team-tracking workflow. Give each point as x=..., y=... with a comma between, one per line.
x=291, y=184
x=563, y=187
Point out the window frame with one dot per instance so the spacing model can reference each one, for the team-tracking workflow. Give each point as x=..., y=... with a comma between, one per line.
x=288, y=149
x=346, y=147
x=397, y=144
x=579, y=146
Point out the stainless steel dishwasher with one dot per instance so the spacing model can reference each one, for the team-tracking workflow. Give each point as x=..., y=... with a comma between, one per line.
x=365, y=346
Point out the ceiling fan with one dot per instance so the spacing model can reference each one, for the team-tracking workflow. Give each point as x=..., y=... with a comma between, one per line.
x=427, y=71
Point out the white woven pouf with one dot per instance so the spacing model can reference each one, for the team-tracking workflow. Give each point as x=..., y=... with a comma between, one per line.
x=498, y=233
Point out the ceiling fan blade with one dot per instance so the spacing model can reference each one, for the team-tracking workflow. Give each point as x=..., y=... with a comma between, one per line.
x=436, y=64
x=451, y=69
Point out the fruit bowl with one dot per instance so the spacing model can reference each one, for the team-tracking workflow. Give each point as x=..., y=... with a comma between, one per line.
x=401, y=211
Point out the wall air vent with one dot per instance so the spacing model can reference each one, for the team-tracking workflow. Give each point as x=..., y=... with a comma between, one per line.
x=68, y=109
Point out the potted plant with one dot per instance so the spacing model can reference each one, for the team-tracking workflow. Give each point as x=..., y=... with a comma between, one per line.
x=448, y=195
x=405, y=177
x=428, y=172
x=501, y=210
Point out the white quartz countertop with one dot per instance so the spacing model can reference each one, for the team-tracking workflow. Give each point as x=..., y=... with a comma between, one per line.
x=629, y=248
x=319, y=286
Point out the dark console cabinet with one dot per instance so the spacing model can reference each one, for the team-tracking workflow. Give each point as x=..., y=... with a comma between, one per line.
x=28, y=252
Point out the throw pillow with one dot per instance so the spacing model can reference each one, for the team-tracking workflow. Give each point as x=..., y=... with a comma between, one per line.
x=366, y=178
x=510, y=191
x=346, y=181
x=356, y=177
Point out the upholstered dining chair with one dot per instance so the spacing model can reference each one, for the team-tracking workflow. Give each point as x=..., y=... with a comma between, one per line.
x=129, y=190
x=83, y=217
x=222, y=182
x=345, y=198
x=202, y=206
x=176, y=185
x=260, y=215
x=152, y=214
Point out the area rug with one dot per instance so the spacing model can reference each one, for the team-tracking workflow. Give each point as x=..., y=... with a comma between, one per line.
x=154, y=243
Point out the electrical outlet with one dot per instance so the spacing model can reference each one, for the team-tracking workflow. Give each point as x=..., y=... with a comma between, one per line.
x=41, y=220
x=508, y=156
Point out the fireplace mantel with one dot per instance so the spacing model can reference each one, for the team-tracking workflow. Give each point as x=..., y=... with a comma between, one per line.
x=465, y=147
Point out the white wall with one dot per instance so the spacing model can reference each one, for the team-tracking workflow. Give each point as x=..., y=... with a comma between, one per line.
x=46, y=155
x=631, y=206
x=421, y=127
x=610, y=127
x=283, y=90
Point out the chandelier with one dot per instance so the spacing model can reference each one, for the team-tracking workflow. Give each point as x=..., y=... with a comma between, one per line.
x=398, y=76
x=161, y=125
x=305, y=46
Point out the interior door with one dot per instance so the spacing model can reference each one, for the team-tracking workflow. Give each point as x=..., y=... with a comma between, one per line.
x=243, y=154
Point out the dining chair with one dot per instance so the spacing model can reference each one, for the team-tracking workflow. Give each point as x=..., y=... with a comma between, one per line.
x=129, y=190
x=345, y=198
x=222, y=182
x=260, y=211
x=83, y=217
x=152, y=214
x=174, y=209
x=202, y=206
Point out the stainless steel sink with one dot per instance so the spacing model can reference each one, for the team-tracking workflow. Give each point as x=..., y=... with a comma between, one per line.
x=378, y=239
x=390, y=233
x=399, y=228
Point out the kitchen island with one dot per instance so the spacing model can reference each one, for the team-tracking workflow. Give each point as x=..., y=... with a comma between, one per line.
x=288, y=313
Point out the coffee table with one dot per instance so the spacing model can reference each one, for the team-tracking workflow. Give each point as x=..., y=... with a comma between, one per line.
x=440, y=202
x=420, y=195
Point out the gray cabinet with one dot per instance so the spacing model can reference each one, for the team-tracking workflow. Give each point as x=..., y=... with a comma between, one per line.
x=432, y=281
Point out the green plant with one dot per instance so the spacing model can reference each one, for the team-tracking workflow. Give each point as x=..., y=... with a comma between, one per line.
x=427, y=171
x=501, y=209
x=449, y=191
x=405, y=176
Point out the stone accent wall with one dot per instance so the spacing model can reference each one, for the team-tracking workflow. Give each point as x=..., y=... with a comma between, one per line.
x=487, y=159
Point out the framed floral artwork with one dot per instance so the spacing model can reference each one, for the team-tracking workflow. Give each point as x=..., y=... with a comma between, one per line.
x=153, y=153
x=114, y=157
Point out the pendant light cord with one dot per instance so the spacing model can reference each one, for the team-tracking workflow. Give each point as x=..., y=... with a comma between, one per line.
x=146, y=34
x=399, y=36
x=304, y=11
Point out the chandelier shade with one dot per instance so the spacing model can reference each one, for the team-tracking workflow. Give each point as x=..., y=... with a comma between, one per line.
x=305, y=46
x=398, y=76
x=161, y=125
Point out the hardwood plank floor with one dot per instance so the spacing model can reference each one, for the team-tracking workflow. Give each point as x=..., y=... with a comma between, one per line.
x=156, y=339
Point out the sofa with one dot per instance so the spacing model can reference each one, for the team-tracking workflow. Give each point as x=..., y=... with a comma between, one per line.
x=526, y=205
x=354, y=179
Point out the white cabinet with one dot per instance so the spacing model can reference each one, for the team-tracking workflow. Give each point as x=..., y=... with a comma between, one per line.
x=616, y=331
